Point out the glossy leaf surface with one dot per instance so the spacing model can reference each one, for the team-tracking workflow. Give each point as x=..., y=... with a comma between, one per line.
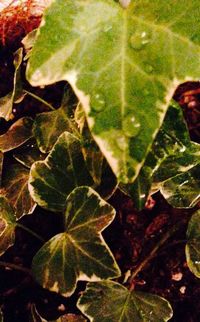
x=64, y=169
x=124, y=63
x=7, y=225
x=80, y=253
x=15, y=189
x=17, y=134
x=6, y=102
x=172, y=153
x=109, y=301
x=193, y=244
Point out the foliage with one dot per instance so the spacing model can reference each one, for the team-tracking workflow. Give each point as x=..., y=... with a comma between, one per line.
x=123, y=61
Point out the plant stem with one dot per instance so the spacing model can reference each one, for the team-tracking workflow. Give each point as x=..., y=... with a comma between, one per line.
x=15, y=267
x=31, y=232
x=40, y=99
x=153, y=252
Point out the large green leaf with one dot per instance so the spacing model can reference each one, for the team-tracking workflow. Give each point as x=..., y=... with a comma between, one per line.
x=80, y=253
x=123, y=64
x=193, y=244
x=16, y=95
x=172, y=153
x=64, y=169
x=15, y=188
x=17, y=134
x=109, y=301
x=7, y=225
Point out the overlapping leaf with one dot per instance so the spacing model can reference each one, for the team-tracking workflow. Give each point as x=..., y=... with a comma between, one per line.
x=193, y=244
x=183, y=190
x=15, y=188
x=172, y=153
x=109, y=301
x=80, y=253
x=29, y=153
x=124, y=65
x=17, y=134
x=50, y=125
x=64, y=169
x=6, y=102
x=7, y=225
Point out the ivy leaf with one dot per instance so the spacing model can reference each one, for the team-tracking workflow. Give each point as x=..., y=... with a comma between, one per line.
x=193, y=244
x=7, y=225
x=183, y=190
x=17, y=134
x=172, y=153
x=60, y=121
x=80, y=253
x=15, y=189
x=123, y=64
x=28, y=153
x=109, y=301
x=64, y=169
x=6, y=102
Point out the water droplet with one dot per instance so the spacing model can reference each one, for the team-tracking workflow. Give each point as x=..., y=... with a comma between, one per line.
x=98, y=102
x=139, y=40
x=107, y=28
x=122, y=143
x=197, y=262
x=149, y=69
x=131, y=126
x=124, y=3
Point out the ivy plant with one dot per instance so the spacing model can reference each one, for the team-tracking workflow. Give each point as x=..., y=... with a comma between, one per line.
x=123, y=60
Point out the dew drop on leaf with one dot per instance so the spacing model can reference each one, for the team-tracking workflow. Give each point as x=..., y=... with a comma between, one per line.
x=125, y=3
x=131, y=126
x=149, y=69
x=98, y=102
x=139, y=40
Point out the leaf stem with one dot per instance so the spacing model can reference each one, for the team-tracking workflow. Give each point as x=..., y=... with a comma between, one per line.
x=31, y=232
x=153, y=252
x=16, y=267
x=39, y=99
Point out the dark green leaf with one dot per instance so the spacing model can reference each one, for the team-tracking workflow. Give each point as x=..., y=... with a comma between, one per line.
x=193, y=244
x=172, y=153
x=109, y=301
x=29, y=153
x=7, y=225
x=80, y=253
x=17, y=134
x=6, y=102
x=123, y=64
x=52, y=180
x=183, y=190
x=15, y=189
x=50, y=125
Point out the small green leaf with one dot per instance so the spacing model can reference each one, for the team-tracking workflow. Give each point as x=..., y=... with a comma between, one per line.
x=193, y=244
x=50, y=125
x=7, y=225
x=109, y=301
x=29, y=153
x=80, y=253
x=15, y=189
x=172, y=153
x=183, y=190
x=28, y=42
x=64, y=169
x=124, y=66
x=6, y=102
x=17, y=134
